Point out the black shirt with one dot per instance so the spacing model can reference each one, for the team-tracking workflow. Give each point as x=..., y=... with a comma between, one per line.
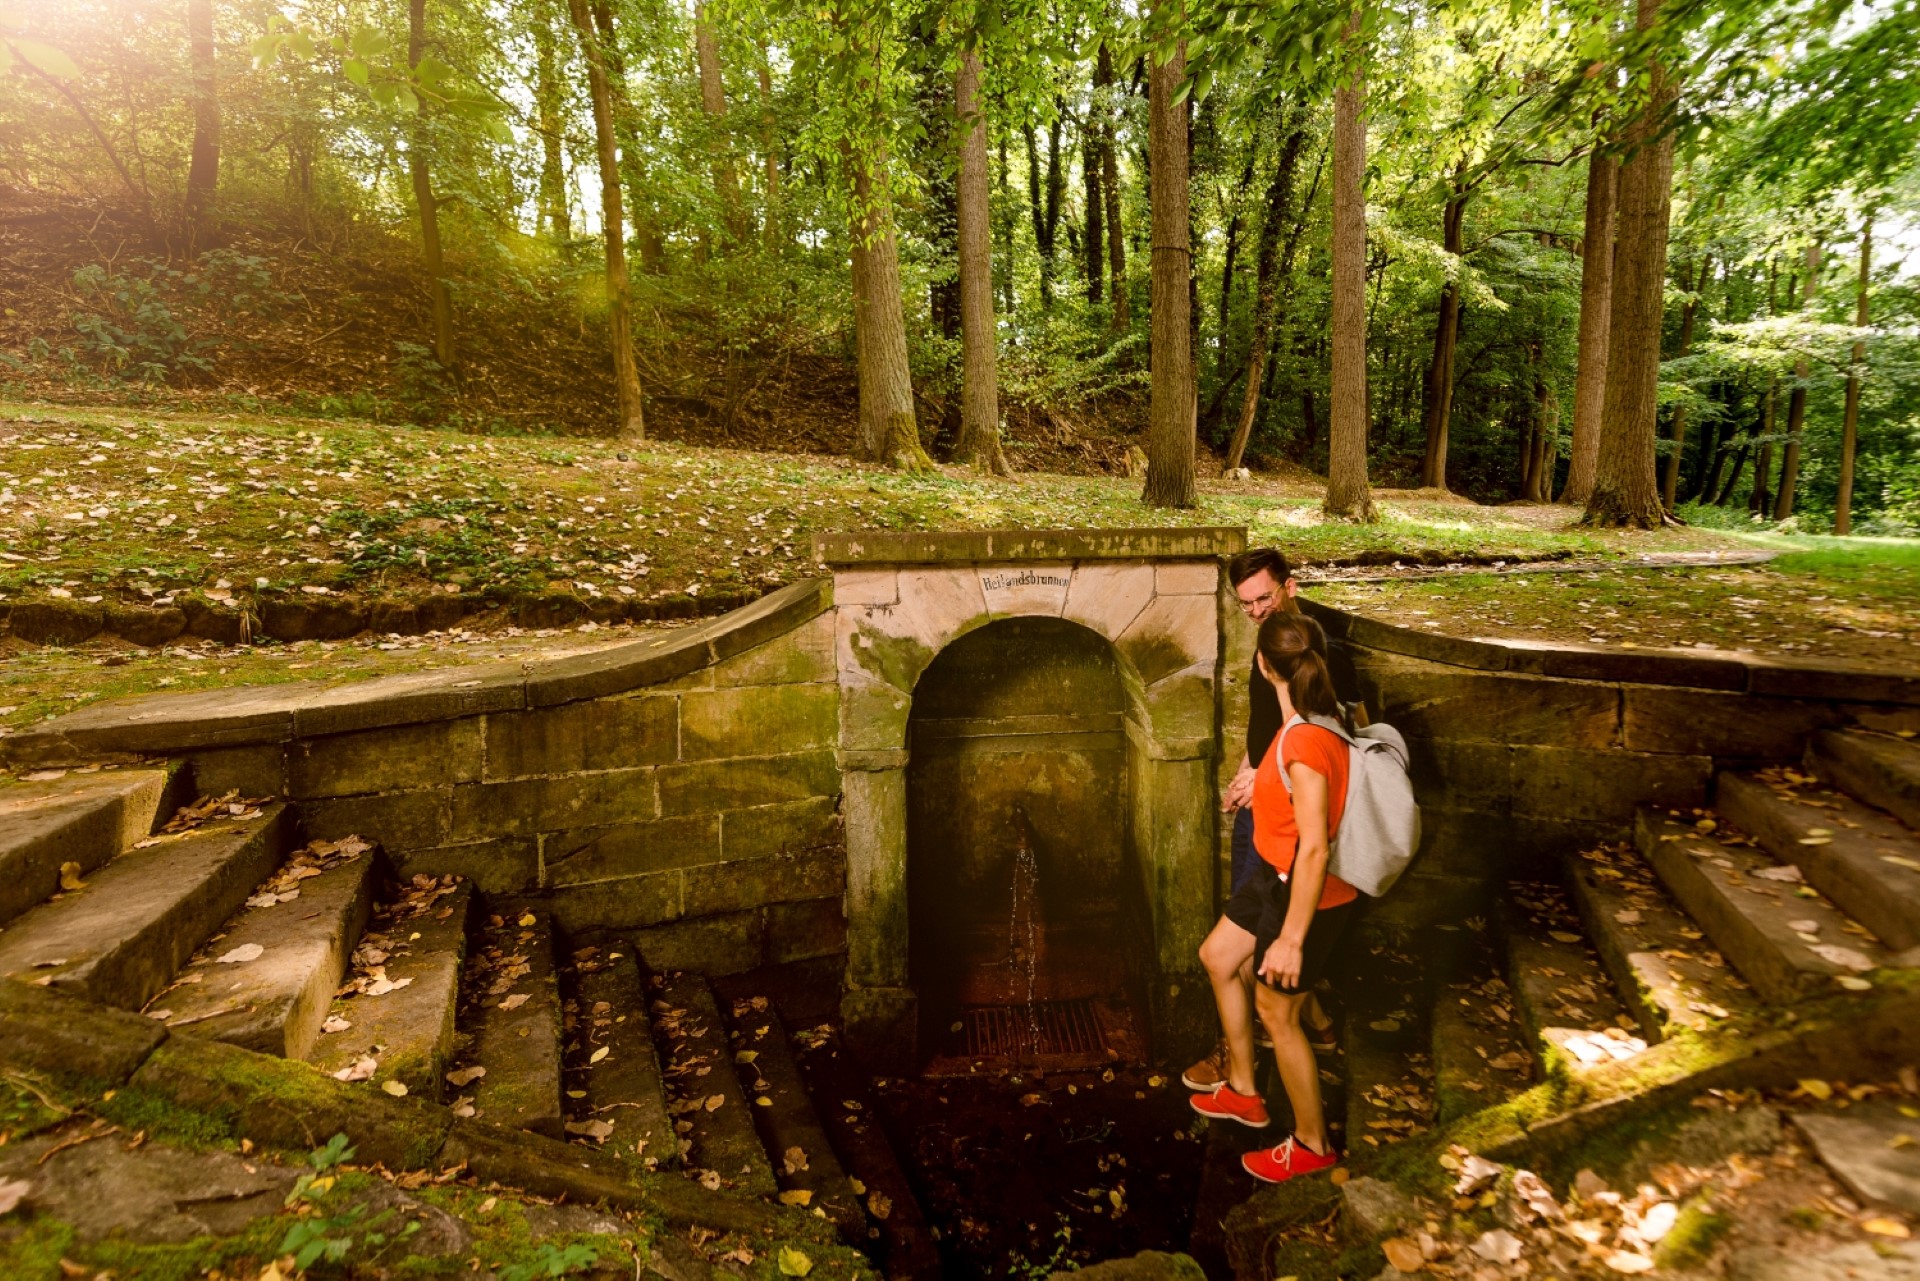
x=1263, y=715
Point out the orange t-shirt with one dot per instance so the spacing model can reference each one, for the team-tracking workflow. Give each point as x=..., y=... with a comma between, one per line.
x=1276, y=834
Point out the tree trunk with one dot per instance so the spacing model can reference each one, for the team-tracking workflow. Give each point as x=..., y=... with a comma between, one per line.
x=1446, y=336
x=713, y=101
x=1850, y=423
x=1596, y=295
x=1797, y=402
x=1689, y=311
x=203, y=169
x=1094, y=247
x=630, y=419
x=1170, y=415
x=423, y=197
x=1546, y=426
x=633, y=172
x=1626, y=491
x=979, y=394
x=770, y=223
x=1347, y=492
x=1760, y=497
x=556, y=216
x=1122, y=319
x=1266, y=287
x=889, y=429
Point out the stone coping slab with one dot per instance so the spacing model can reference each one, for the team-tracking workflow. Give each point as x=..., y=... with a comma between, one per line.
x=159, y=724
x=1749, y=674
x=977, y=546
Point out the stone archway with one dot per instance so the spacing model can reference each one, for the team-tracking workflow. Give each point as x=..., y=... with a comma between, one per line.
x=1156, y=596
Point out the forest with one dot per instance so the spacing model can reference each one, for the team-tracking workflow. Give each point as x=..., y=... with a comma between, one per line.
x=1649, y=261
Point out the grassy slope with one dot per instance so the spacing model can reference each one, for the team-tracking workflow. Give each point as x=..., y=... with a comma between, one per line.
x=112, y=504
x=1852, y=599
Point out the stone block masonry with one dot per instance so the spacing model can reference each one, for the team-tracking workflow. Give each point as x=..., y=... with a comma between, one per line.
x=683, y=788
x=1523, y=752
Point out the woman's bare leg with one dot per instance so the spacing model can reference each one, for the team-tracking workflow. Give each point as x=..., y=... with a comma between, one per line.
x=1225, y=953
x=1299, y=1073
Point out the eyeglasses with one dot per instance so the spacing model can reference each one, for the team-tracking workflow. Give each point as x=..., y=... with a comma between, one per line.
x=1263, y=601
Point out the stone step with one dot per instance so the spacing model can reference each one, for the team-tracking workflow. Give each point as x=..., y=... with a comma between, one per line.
x=510, y=1019
x=1865, y=862
x=1880, y=769
x=124, y=935
x=789, y=1124
x=265, y=981
x=1480, y=1053
x=1224, y=1184
x=1571, y=1017
x=1385, y=1037
x=1753, y=909
x=624, y=1086
x=713, y=1112
x=418, y=944
x=84, y=819
x=896, y=1221
x=1664, y=969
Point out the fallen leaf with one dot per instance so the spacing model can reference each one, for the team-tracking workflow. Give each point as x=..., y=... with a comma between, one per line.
x=1403, y=1254
x=1474, y=1172
x=460, y=1078
x=1563, y=936
x=12, y=1193
x=591, y=1129
x=358, y=1070
x=462, y=1106
x=528, y=918
x=1628, y=916
x=1497, y=1246
x=70, y=877
x=1816, y=1089
x=1385, y=1025
x=398, y=1089
x=714, y=1102
x=515, y=1001
x=599, y=1054
x=795, y=1160
x=1845, y=957
x=245, y=952
x=1629, y=1262
x=1884, y=1227
x=796, y=1196
x=1853, y=983
x=383, y=985
x=1786, y=872
x=745, y=1056
x=880, y=1205
x=794, y=1263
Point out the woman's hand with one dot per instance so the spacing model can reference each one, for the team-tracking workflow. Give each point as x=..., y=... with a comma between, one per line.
x=1281, y=965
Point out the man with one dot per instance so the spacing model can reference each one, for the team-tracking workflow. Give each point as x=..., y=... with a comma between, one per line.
x=1264, y=582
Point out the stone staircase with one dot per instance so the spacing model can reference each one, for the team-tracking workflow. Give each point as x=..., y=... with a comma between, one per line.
x=213, y=919
x=1770, y=937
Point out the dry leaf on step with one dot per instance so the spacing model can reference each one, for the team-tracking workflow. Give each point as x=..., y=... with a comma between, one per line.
x=383, y=985
x=398, y=1089
x=70, y=877
x=1474, y=1172
x=245, y=952
x=515, y=1001
x=795, y=1160
x=1629, y=1262
x=599, y=1054
x=1403, y=1254
x=714, y=1101
x=796, y=1196
x=12, y=1193
x=358, y=1070
x=460, y=1078
x=1497, y=1246
x=794, y=1263
x=590, y=1129
x=1883, y=1227
x=880, y=1205
x=335, y=1023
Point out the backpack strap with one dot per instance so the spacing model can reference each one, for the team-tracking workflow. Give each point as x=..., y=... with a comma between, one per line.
x=1323, y=722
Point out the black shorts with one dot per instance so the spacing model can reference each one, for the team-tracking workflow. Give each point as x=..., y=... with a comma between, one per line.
x=1260, y=908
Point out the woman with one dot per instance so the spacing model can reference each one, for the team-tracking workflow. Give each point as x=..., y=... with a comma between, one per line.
x=1292, y=912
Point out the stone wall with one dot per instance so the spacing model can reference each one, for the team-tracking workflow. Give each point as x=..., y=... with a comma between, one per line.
x=1523, y=752
x=684, y=788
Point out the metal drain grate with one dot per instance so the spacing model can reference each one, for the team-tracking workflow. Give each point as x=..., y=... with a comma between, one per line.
x=1027, y=1031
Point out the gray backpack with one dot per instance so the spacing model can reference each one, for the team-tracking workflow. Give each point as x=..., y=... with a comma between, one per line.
x=1380, y=826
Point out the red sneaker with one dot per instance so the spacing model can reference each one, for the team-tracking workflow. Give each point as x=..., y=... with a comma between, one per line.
x=1227, y=1104
x=1290, y=1160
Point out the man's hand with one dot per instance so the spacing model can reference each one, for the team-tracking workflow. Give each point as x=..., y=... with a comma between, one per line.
x=1281, y=965
x=1239, y=792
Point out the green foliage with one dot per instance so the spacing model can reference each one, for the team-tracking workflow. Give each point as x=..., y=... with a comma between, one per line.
x=157, y=321
x=551, y=1260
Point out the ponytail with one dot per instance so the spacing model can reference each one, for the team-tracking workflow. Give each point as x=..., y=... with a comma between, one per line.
x=1295, y=649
